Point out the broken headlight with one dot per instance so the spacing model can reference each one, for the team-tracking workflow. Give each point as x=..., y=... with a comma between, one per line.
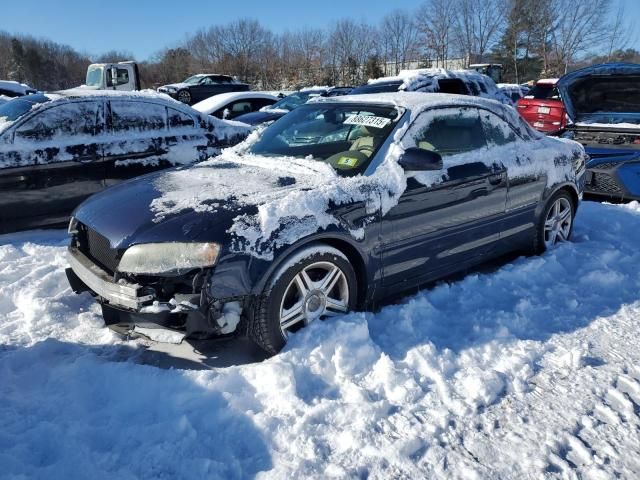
x=158, y=258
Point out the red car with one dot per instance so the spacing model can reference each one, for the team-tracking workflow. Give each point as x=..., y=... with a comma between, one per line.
x=542, y=107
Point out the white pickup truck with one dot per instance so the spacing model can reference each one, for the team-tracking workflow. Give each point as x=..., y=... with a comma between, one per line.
x=113, y=76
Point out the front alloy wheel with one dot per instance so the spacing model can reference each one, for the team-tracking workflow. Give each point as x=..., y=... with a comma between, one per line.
x=558, y=223
x=315, y=283
x=184, y=96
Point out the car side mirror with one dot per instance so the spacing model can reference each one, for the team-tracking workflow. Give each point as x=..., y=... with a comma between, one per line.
x=420, y=160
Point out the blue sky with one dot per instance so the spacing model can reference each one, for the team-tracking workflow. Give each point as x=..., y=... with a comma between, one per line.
x=144, y=27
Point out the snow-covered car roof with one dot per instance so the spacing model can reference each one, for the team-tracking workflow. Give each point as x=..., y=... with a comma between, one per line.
x=426, y=80
x=547, y=81
x=15, y=87
x=216, y=102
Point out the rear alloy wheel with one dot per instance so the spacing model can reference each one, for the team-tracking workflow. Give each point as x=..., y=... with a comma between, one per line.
x=318, y=283
x=184, y=96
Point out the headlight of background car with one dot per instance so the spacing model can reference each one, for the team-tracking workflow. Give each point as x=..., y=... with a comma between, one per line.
x=156, y=258
x=171, y=90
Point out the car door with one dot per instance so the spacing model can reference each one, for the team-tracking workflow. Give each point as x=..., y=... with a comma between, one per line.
x=186, y=141
x=526, y=185
x=54, y=163
x=135, y=143
x=447, y=218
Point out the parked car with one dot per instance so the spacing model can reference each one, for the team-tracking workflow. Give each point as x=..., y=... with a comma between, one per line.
x=11, y=89
x=288, y=103
x=514, y=91
x=437, y=80
x=275, y=234
x=57, y=149
x=198, y=87
x=603, y=104
x=542, y=107
x=233, y=104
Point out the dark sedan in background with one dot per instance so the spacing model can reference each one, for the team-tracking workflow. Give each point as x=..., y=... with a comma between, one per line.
x=204, y=85
x=58, y=149
x=398, y=190
x=603, y=103
x=288, y=103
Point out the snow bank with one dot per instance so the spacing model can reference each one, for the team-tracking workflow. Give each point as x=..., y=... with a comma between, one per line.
x=529, y=370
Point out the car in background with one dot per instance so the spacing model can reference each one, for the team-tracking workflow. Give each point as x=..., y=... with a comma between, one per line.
x=288, y=103
x=233, y=104
x=542, y=107
x=10, y=89
x=603, y=104
x=514, y=91
x=58, y=149
x=437, y=80
x=275, y=234
x=204, y=85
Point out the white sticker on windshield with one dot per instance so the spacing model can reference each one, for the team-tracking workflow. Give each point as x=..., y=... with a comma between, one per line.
x=367, y=121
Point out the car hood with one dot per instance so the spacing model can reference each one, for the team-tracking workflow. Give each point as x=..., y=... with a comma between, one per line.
x=263, y=116
x=198, y=203
x=600, y=95
x=177, y=86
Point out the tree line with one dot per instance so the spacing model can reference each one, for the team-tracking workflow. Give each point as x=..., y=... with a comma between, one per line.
x=531, y=38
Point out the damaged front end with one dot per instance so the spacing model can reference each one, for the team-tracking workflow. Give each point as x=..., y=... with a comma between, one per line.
x=148, y=288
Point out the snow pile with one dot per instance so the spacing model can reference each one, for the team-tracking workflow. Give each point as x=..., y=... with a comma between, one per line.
x=530, y=370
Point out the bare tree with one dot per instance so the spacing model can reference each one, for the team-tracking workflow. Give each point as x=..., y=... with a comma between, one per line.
x=400, y=34
x=436, y=21
x=479, y=25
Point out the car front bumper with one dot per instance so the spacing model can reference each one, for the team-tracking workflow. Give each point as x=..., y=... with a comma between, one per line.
x=615, y=180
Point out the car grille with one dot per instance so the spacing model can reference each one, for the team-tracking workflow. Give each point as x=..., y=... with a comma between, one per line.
x=604, y=183
x=98, y=248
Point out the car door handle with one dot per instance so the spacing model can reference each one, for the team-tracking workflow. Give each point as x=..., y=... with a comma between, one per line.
x=479, y=192
x=496, y=178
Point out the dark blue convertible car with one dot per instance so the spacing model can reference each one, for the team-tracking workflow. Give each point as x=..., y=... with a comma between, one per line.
x=603, y=102
x=389, y=192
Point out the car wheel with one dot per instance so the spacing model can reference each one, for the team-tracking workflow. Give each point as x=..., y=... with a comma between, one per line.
x=315, y=283
x=555, y=225
x=184, y=96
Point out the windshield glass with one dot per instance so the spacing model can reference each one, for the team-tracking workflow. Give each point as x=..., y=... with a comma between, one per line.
x=346, y=136
x=294, y=100
x=543, y=92
x=16, y=108
x=381, y=87
x=94, y=77
x=195, y=80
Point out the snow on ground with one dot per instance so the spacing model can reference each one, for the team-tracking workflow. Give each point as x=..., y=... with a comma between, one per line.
x=530, y=369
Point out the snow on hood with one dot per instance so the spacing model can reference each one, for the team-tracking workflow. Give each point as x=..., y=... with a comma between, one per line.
x=603, y=95
x=292, y=195
x=177, y=86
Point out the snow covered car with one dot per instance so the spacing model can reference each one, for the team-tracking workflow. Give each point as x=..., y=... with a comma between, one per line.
x=233, y=104
x=204, y=85
x=603, y=104
x=288, y=103
x=57, y=149
x=512, y=90
x=272, y=235
x=460, y=82
x=11, y=89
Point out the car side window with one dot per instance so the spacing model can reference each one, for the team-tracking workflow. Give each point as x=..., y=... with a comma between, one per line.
x=78, y=118
x=448, y=131
x=179, y=119
x=137, y=116
x=497, y=131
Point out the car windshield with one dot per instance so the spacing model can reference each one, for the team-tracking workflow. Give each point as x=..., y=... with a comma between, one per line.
x=94, y=77
x=195, y=80
x=16, y=108
x=381, y=87
x=294, y=100
x=543, y=92
x=346, y=136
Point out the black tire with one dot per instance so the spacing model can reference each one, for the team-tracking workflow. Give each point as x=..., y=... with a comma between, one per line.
x=264, y=326
x=184, y=96
x=540, y=240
